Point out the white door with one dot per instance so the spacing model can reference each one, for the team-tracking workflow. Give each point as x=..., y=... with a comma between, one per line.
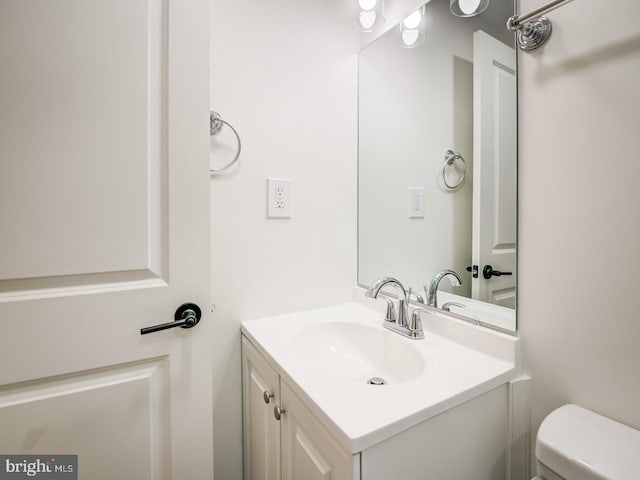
x=494, y=172
x=104, y=229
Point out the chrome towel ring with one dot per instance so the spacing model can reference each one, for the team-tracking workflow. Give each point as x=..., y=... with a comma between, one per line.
x=450, y=158
x=215, y=126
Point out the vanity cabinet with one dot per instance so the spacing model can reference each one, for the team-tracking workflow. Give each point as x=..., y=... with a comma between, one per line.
x=294, y=447
x=448, y=411
x=260, y=393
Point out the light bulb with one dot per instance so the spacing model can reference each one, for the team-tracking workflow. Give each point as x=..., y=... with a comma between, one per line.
x=410, y=37
x=468, y=6
x=367, y=19
x=413, y=20
x=367, y=4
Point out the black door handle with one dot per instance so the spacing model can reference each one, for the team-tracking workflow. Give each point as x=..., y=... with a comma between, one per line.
x=473, y=269
x=488, y=272
x=187, y=316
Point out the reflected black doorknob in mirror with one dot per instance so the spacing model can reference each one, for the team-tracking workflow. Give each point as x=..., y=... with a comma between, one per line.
x=473, y=269
x=488, y=272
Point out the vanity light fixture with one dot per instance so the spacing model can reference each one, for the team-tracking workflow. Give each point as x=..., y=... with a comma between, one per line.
x=412, y=29
x=468, y=8
x=370, y=16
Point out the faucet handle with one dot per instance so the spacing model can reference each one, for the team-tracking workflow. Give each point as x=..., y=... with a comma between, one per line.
x=390, y=316
x=447, y=306
x=415, y=324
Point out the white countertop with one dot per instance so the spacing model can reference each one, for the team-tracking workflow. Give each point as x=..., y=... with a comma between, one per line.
x=359, y=415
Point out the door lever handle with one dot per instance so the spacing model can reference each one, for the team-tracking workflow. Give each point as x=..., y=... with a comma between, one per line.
x=488, y=272
x=473, y=269
x=187, y=316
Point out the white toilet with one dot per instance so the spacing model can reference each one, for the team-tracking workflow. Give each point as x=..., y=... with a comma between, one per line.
x=576, y=444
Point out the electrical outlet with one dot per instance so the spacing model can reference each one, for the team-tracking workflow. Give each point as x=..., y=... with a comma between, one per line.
x=416, y=202
x=278, y=198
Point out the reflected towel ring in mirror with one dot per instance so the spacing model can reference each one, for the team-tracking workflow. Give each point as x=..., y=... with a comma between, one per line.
x=215, y=126
x=450, y=158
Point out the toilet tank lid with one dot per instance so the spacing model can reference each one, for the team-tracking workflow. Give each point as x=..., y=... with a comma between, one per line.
x=579, y=444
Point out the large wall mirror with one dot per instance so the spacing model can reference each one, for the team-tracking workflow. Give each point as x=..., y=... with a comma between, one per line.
x=438, y=159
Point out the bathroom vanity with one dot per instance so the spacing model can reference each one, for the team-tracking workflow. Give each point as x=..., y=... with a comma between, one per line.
x=287, y=443
x=314, y=406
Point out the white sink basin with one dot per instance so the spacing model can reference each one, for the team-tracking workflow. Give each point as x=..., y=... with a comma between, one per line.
x=328, y=355
x=356, y=353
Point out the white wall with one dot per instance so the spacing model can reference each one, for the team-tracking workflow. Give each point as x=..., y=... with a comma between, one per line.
x=579, y=211
x=284, y=73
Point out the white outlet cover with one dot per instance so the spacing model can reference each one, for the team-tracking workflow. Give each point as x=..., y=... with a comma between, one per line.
x=416, y=202
x=278, y=197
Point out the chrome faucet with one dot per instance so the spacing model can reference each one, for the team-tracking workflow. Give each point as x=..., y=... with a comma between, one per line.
x=411, y=293
x=432, y=289
x=399, y=322
x=374, y=290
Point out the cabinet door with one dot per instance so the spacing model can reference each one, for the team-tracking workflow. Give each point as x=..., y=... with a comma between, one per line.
x=308, y=451
x=261, y=429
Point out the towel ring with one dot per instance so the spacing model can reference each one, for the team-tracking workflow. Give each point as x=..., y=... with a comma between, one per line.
x=215, y=126
x=449, y=159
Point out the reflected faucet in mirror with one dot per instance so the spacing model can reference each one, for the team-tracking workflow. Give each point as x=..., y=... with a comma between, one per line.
x=447, y=306
x=419, y=298
x=432, y=289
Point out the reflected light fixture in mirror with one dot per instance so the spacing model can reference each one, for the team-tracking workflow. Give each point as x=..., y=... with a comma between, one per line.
x=370, y=15
x=412, y=29
x=468, y=8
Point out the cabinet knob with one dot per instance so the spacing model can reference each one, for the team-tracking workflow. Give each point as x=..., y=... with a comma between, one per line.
x=266, y=395
x=278, y=412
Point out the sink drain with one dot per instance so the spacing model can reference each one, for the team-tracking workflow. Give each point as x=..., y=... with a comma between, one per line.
x=377, y=381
